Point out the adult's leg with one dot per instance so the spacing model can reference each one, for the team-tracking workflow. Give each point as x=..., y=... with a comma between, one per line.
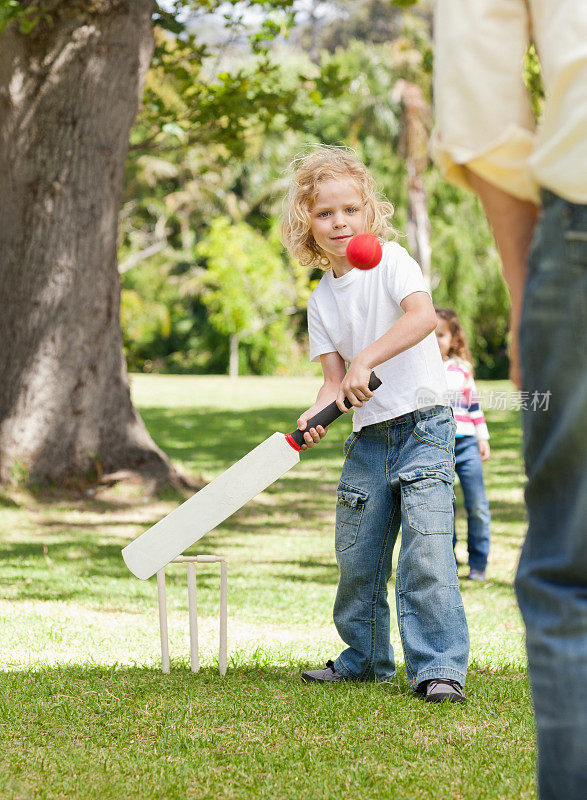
x=551, y=582
x=470, y=471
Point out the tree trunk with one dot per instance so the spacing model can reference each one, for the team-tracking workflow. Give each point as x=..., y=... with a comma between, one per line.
x=69, y=93
x=418, y=227
x=233, y=362
x=417, y=118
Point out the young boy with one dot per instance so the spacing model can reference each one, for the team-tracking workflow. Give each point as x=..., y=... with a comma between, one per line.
x=399, y=460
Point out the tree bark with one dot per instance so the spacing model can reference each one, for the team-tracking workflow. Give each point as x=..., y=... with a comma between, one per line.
x=69, y=93
x=418, y=226
x=417, y=118
x=233, y=361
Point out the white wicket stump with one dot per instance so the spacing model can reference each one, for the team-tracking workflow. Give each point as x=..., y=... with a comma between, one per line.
x=190, y=562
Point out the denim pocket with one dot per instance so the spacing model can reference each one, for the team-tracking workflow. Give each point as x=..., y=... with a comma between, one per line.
x=349, y=511
x=427, y=498
x=349, y=444
x=437, y=431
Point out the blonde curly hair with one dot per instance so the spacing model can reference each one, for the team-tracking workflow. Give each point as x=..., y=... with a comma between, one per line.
x=309, y=170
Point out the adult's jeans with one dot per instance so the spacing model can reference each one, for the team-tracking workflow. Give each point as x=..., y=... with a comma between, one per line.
x=400, y=471
x=469, y=468
x=551, y=581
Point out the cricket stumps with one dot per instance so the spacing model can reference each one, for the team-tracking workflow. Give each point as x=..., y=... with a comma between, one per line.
x=190, y=562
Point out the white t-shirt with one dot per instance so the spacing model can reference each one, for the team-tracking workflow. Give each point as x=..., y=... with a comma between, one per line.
x=347, y=314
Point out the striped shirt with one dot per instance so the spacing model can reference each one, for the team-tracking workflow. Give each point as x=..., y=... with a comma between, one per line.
x=464, y=399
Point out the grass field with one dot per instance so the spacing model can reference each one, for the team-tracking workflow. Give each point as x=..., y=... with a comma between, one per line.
x=86, y=713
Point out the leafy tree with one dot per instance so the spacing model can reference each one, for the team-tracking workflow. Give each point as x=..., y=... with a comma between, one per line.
x=363, y=114
x=171, y=197
x=71, y=79
x=245, y=285
x=337, y=23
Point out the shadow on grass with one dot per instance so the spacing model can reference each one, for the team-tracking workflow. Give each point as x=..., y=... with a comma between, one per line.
x=313, y=572
x=258, y=669
x=303, y=501
x=79, y=568
x=76, y=549
x=215, y=440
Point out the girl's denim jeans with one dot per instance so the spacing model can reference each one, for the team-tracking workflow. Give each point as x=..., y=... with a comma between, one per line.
x=469, y=468
x=400, y=472
x=552, y=575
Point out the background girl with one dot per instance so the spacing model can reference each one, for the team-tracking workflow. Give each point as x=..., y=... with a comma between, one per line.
x=472, y=437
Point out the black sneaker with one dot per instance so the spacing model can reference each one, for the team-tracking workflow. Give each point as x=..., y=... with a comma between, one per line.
x=326, y=675
x=439, y=690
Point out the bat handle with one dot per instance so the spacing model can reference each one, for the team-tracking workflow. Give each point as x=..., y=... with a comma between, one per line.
x=326, y=416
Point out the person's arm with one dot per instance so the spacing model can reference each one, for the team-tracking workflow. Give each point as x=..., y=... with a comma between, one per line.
x=418, y=321
x=483, y=112
x=484, y=449
x=478, y=418
x=333, y=368
x=484, y=126
x=512, y=221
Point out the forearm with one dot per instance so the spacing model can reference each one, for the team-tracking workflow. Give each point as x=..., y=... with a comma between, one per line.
x=512, y=221
x=418, y=321
x=334, y=370
x=408, y=331
x=326, y=394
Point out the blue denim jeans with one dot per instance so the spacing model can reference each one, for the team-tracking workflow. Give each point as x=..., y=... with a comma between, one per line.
x=400, y=471
x=551, y=582
x=469, y=468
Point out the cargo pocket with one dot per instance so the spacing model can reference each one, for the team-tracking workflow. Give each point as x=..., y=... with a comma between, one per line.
x=349, y=511
x=427, y=497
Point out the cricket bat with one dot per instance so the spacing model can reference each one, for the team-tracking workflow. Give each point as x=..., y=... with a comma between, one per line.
x=203, y=512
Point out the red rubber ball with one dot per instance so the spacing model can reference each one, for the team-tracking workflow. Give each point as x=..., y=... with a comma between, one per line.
x=364, y=251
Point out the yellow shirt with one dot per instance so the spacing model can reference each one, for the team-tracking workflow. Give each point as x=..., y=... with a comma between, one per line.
x=483, y=113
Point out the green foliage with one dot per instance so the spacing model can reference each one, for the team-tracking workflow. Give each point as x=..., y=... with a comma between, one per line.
x=173, y=16
x=178, y=317
x=370, y=22
x=245, y=280
x=26, y=16
x=246, y=287
x=185, y=104
x=163, y=329
x=213, y=143
x=215, y=94
x=533, y=80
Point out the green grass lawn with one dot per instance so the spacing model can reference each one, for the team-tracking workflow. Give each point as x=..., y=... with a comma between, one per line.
x=86, y=713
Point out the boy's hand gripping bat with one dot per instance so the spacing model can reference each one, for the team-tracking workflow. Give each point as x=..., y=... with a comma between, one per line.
x=181, y=528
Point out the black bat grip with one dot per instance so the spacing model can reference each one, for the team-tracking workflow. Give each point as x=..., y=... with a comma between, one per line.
x=329, y=414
